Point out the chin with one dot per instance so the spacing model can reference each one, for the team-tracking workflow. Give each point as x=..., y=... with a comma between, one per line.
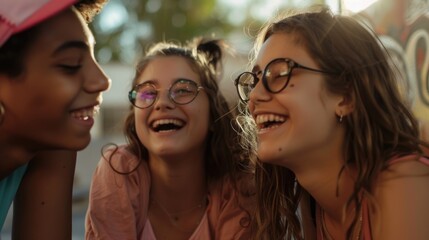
x=270, y=156
x=78, y=144
x=165, y=153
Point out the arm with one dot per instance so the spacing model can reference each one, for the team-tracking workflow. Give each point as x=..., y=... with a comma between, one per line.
x=43, y=203
x=402, y=196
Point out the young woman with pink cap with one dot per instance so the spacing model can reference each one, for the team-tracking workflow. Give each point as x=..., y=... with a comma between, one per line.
x=50, y=89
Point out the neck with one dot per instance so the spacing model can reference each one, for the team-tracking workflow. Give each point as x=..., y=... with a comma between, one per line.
x=13, y=156
x=329, y=184
x=178, y=196
x=331, y=192
x=178, y=184
x=334, y=228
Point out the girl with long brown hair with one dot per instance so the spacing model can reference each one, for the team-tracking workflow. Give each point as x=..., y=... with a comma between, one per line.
x=330, y=126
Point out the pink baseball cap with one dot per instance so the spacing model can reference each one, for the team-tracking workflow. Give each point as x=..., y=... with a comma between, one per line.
x=18, y=15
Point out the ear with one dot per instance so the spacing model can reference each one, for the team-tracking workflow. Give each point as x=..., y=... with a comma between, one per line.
x=345, y=106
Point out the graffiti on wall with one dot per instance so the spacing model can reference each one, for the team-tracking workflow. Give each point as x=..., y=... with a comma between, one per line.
x=403, y=27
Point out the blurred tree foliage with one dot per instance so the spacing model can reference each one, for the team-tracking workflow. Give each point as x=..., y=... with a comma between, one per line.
x=141, y=22
x=125, y=27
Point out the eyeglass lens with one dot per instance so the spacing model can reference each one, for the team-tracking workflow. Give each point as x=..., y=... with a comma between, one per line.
x=276, y=75
x=181, y=92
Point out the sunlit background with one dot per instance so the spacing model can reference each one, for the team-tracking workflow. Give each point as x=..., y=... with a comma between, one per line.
x=125, y=27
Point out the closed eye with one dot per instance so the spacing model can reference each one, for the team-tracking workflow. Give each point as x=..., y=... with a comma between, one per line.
x=70, y=68
x=147, y=95
x=183, y=91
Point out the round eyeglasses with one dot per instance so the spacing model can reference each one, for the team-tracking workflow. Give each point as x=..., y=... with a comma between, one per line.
x=182, y=91
x=275, y=77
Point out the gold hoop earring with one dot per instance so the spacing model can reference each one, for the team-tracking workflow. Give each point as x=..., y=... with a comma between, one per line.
x=2, y=112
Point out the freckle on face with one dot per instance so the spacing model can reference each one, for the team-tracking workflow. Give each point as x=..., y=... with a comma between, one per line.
x=280, y=149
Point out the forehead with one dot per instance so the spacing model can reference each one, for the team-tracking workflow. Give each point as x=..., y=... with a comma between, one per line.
x=166, y=69
x=282, y=45
x=63, y=27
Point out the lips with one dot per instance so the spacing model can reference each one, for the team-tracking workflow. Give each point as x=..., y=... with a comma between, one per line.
x=265, y=121
x=168, y=124
x=85, y=113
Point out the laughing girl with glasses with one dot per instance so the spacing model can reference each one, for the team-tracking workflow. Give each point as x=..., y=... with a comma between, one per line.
x=335, y=132
x=182, y=174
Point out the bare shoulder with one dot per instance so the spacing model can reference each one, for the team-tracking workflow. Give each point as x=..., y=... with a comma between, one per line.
x=403, y=176
x=401, y=195
x=406, y=167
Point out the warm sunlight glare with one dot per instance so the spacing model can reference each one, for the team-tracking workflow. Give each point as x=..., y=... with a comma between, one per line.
x=357, y=5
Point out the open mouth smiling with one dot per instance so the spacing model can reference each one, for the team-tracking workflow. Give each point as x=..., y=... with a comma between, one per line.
x=85, y=113
x=164, y=125
x=266, y=121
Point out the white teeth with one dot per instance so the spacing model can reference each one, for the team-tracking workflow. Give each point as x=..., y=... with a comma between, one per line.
x=85, y=114
x=261, y=119
x=167, y=121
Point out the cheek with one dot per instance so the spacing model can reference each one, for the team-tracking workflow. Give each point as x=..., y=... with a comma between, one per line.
x=140, y=115
x=201, y=116
x=305, y=111
x=140, y=121
x=312, y=119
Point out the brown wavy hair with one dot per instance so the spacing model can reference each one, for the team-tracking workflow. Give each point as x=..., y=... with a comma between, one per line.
x=380, y=127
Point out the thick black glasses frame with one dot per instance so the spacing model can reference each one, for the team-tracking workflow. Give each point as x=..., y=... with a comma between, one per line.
x=292, y=65
x=132, y=99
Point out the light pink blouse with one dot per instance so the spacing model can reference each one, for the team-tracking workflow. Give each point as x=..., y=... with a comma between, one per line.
x=198, y=234
x=118, y=204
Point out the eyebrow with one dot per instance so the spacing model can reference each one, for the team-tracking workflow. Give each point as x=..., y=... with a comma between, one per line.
x=150, y=81
x=70, y=45
x=156, y=82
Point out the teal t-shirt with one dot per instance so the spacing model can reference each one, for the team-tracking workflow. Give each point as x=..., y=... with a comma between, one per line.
x=8, y=188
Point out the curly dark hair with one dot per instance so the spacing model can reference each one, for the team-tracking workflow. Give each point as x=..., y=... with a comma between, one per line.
x=14, y=50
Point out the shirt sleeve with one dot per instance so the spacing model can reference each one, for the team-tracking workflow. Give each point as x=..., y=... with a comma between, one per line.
x=118, y=202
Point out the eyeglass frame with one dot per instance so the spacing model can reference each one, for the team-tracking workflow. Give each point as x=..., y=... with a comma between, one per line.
x=137, y=86
x=292, y=65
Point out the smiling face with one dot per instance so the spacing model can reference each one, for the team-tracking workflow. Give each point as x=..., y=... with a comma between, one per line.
x=52, y=103
x=165, y=128
x=300, y=121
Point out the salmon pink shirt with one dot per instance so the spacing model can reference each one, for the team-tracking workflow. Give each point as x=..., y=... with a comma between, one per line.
x=118, y=204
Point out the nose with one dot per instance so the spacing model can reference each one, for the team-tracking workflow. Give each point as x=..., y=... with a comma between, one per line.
x=259, y=93
x=97, y=80
x=163, y=101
